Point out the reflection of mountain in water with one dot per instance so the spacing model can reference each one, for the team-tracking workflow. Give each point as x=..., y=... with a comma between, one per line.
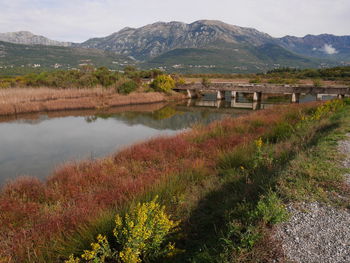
x=171, y=117
x=178, y=120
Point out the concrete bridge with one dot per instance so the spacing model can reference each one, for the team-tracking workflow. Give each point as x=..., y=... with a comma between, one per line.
x=255, y=105
x=196, y=89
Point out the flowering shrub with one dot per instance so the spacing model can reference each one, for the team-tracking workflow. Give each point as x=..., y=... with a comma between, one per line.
x=324, y=110
x=140, y=234
x=259, y=153
x=99, y=253
x=163, y=83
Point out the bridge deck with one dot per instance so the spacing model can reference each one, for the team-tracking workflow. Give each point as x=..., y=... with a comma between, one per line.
x=266, y=88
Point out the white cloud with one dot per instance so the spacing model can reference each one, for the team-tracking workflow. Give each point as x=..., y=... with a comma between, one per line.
x=78, y=20
x=329, y=49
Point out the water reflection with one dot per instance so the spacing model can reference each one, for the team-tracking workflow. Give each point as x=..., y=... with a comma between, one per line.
x=35, y=144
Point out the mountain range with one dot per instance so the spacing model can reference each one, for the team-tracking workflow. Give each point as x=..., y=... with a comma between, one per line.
x=202, y=46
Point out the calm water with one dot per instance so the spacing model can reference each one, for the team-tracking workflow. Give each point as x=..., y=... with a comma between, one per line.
x=37, y=144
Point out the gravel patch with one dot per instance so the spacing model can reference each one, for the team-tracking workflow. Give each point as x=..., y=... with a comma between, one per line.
x=317, y=233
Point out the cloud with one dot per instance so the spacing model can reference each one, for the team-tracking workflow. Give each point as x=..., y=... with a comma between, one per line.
x=329, y=49
x=78, y=20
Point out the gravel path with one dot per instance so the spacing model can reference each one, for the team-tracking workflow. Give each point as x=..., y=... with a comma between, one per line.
x=317, y=233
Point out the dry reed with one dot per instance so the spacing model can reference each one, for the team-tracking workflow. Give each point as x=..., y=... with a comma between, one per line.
x=29, y=100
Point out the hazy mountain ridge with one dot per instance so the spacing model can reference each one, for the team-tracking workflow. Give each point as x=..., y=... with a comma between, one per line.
x=28, y=38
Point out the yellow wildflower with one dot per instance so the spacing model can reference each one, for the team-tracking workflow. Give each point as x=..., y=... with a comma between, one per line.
x=259, y=143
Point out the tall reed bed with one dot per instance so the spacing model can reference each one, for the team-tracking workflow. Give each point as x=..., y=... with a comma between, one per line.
x=28, y=100
x=37, y=218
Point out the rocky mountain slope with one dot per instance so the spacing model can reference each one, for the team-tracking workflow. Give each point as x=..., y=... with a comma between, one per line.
x=28, y=38
x=320, y=46
x=152, y=40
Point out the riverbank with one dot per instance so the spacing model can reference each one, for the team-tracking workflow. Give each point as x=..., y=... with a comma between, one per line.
x=235, y=163
x=31, y=100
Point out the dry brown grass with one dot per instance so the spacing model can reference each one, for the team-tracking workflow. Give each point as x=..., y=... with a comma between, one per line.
x=24, y=95
x=29, y=100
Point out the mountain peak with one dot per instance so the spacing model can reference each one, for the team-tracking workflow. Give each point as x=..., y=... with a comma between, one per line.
x=211, y=22
x=28, y=38
x=23, y=32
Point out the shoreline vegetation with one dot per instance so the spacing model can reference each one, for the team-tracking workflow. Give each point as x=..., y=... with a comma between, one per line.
x=101, y=88
x=84, y=88
x=326, y=76
x=220, y=182
x=32, y=100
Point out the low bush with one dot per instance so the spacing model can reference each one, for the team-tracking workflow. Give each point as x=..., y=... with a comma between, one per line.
x=317, y=83
x=280, y=132
x=180, y=81
x=127, y=87
x=163, y=83
x=255, y=80
x=240, y=158
x=271, y=209
x=206, y=82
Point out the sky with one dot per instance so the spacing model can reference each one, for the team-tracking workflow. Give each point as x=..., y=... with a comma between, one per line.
x=79, y=20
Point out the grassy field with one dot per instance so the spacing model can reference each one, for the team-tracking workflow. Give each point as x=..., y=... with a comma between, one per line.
x=221, y=181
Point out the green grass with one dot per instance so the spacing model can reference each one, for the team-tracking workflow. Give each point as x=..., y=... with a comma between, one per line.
x=232, y=223
x=316, y=174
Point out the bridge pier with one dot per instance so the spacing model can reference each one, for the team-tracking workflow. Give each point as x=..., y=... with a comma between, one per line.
x=257, y=96
x=295, y=97
x=256, y=105
x=220, y=95
x=191, y=94
x=189, y=102
x=319, y=97
x=233, y=102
